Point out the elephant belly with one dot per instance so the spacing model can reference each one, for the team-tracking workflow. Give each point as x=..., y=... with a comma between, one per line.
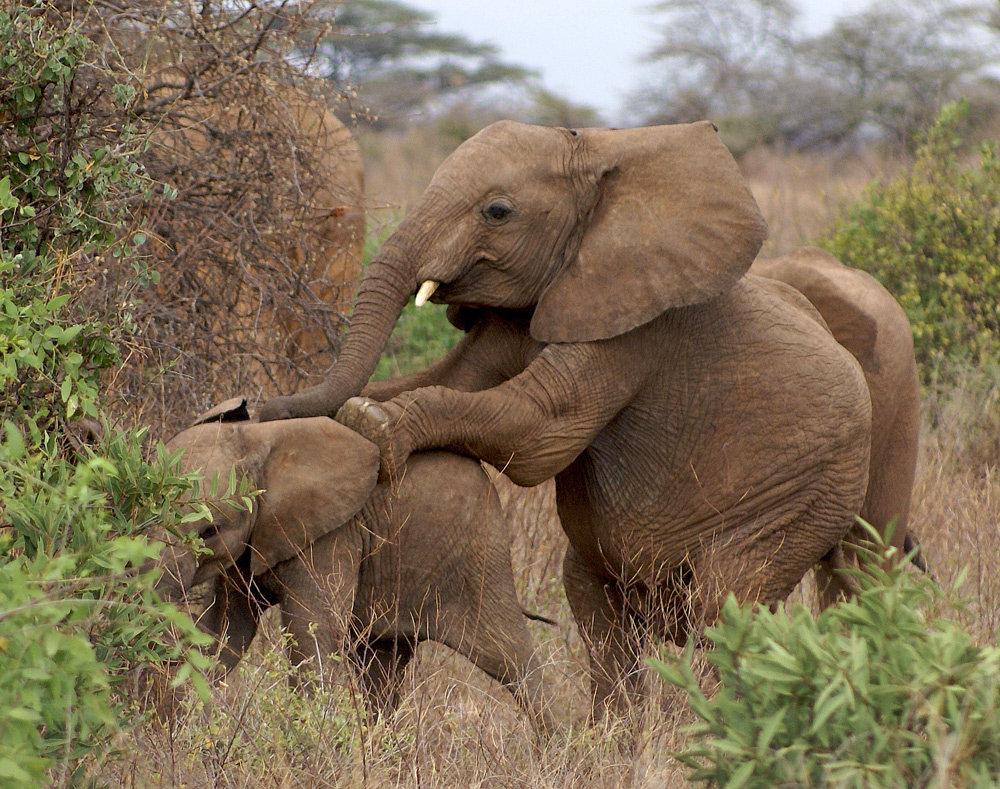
x=740, y=458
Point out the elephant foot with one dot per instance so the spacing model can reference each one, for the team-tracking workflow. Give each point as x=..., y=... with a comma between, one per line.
x=367, y=418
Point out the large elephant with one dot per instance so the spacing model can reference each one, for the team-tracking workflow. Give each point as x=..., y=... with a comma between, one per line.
x=706, y=432
x=870, y=323
x=264, y=240
x=355, y=568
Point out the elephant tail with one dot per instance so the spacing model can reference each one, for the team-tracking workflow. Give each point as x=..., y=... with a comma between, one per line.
x=538, y=617
x=912, y=546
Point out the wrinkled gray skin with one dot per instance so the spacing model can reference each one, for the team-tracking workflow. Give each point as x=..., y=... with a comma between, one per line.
x=870, y=323
x=706, y=432
x=375, y=572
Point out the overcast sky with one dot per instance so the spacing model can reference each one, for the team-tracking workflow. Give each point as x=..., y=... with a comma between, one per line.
x=586, y=50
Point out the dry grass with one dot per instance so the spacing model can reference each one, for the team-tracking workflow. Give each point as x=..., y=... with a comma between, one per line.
x=801, y=194
x=455, y=727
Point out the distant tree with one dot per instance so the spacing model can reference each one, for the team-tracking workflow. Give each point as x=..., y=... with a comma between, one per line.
x=551, y=109
x=892, y=67
x=885, y=71
x=398, y=60
x=721, y=60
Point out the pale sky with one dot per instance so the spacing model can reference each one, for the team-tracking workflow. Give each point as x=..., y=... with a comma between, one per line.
x=586, y=50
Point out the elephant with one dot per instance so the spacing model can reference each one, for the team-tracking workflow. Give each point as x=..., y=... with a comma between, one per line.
x=355, y=568
x=866, y=319
x=297, y=245
x=707, y=434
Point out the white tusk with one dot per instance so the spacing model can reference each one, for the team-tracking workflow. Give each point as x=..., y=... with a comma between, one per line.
x=426, y=291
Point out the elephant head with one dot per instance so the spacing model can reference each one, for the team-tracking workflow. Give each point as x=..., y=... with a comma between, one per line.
x=597, y=231
x=292, y=511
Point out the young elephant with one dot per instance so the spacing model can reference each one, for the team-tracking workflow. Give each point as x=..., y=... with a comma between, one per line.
x=355, y=566
x=866, y=319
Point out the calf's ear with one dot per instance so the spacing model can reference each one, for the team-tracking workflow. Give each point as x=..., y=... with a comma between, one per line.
x=232, y=410
x=316, y=475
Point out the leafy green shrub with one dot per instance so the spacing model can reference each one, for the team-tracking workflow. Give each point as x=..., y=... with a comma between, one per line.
x=75, y=616
x=874, y=692
x=260, y=725
x=932, y=238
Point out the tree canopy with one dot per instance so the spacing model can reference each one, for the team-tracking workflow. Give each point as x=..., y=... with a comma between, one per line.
x=882, y=72
x=399, y=62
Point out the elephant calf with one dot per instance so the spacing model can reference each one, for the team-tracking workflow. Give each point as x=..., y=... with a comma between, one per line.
x=354, y=566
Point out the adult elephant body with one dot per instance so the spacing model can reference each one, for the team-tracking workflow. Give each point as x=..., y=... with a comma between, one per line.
x=706, y=432
x=870, y=323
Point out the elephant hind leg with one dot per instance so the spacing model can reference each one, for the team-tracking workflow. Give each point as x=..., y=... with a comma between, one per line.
x=613, y=643
x=381, y=665
x=832, y=583
x=768, y=568
x=502, y=647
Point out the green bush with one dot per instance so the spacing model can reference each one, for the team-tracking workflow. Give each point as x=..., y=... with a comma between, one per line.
x=75, y=616
x=874, y=692
x=932, y=237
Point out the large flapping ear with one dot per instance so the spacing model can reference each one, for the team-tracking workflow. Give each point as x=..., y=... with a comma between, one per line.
x=232, y=410
x=317, y=474
x=675, y=224
x=840, y=294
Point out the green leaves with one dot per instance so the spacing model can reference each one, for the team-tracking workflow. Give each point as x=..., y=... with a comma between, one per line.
x=76, y=618
x=932, y=238
x=871, y=693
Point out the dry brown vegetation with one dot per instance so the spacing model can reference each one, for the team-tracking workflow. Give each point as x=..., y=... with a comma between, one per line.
x=257, y=241
x=455, y=727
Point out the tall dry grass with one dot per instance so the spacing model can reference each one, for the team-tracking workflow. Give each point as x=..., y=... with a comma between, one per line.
x=455, y=727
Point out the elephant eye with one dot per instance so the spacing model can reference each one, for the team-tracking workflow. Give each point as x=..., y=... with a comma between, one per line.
x=498, y=211
x=209, y=531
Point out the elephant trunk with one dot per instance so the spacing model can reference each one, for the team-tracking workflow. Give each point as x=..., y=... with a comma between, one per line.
x=384, y=291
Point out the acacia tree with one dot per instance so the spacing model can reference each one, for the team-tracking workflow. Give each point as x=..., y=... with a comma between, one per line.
x=398, y=60
x=892, y=67
x=720, y=60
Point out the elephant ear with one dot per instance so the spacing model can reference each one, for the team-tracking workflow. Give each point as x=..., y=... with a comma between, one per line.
x=232, y=410
x=675, y=224
x=316, y=475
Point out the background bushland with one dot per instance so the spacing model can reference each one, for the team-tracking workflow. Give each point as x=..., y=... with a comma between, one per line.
x=77, y=621
x=87, y=330
x=931, y=236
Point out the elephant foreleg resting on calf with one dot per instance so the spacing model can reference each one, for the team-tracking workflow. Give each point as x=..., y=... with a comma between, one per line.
x=531, y=427
x=485, y=357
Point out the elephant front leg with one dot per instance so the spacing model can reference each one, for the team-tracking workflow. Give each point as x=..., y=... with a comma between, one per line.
x=317, y=598
x=531, y=427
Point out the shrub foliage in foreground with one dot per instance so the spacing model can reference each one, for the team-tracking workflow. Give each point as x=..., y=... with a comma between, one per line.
x=932, y=237
x=874, y=692
x=74, y=616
